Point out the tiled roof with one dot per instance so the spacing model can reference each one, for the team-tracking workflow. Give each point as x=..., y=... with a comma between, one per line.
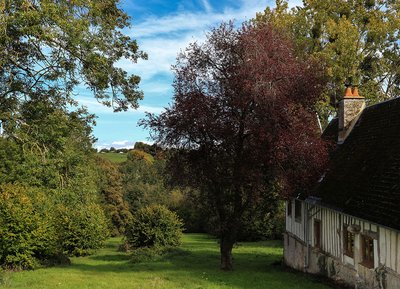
x=363, y=178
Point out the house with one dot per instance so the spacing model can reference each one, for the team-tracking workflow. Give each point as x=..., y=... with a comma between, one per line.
x=349, y=227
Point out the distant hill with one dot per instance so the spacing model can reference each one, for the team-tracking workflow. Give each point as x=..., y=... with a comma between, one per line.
x=114, y=157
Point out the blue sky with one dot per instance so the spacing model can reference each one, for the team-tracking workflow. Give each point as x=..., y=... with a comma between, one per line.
x=162, y=28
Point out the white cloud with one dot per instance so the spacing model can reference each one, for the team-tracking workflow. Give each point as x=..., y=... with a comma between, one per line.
x=207, y=5
x=163, y=37
x=120, y=143
x=123, y=144
x=95, y=107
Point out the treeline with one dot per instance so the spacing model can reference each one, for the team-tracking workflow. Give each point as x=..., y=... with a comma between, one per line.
x=144, y=181
x=50, y=206
x=58, y=198
x=150, y=149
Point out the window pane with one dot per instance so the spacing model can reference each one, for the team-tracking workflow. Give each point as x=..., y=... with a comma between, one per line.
x=297, y=210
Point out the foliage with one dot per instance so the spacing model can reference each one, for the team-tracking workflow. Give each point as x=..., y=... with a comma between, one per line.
x=81, y=229
x=242, y=124
x=142, y=180
x=52, y=46
x=150, y=149
x=26, y=233
x=267, y=222
x=111, y=190
x=357, y=40
x=189, y=206
x=51, y=157
x=154, y=226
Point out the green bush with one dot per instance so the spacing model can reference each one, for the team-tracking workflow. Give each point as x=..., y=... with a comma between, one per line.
x=26, y=234
x=154, y=226
x=81, y=228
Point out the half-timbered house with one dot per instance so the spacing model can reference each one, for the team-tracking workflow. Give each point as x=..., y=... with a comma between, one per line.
x=349, y=227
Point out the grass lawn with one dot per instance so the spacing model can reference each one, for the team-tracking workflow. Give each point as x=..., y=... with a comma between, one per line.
x=193, y=267
x=114, y=157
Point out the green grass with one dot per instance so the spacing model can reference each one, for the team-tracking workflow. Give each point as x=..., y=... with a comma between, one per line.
x=114, y=157
x=193, y=266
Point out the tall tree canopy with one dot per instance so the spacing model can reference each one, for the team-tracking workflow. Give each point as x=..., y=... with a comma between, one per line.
x=48, y=47
x=358, y=41
x=241, y=124
x=48, y=170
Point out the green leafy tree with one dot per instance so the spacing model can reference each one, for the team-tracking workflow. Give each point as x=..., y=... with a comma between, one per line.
x=357, y=41
x=143, y=180
x=112, y=193
x=26, y=228
x=81, y=228
x=48, y=47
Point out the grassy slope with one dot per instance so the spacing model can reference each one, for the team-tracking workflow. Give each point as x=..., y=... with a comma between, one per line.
x=114, y=157
x=196, y=267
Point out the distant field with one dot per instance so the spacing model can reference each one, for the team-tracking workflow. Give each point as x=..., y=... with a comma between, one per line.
x=193, y=266
x=114, y=157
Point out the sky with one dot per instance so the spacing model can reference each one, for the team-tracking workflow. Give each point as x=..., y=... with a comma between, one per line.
x=162, y=28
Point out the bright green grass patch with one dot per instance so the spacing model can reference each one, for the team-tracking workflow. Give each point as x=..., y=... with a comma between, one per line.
x=114, y=157
x=193, y=266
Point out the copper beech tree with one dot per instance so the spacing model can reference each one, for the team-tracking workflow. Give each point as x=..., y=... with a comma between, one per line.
x=242, y=123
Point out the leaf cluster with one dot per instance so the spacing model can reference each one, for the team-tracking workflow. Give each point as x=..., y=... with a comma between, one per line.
x=357, y=41
x=49, y=47
x=154, y=226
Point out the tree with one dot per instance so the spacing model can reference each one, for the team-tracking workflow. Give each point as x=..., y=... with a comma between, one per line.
x=48, y=47
x=142, y=180
x=358, y=41
x=242, y=125
x=112, y=192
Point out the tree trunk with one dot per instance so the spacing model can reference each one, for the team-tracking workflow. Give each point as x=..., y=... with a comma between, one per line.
x=226, y=253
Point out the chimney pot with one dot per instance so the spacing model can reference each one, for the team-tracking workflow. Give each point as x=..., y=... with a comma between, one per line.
x=348, y=92
x=350, y=108
x=355, y=91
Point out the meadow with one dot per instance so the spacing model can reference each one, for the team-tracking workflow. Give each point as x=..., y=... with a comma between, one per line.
x=192, y=266
x=114, y=157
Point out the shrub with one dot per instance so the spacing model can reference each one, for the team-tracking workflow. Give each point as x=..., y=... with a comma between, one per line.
x=26, y=234
x=154, y=226
x=81, y=228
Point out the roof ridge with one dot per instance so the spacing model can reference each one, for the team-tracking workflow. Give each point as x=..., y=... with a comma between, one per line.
x=397, y=98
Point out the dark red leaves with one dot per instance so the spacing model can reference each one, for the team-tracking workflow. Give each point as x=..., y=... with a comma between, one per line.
x=242, y=117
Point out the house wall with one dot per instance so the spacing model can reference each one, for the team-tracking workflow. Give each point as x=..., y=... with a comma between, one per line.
x=330, y=259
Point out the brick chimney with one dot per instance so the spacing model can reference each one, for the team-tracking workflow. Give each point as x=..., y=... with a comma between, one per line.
x=350, y=109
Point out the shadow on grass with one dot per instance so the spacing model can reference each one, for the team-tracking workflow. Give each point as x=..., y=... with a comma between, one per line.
x=198, y=261
x=111, y=257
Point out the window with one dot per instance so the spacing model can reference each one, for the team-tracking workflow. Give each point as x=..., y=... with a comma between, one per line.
x=317, y=233
x=297, y=211
x=289, y=208
x=367, y=250
x=348, y=242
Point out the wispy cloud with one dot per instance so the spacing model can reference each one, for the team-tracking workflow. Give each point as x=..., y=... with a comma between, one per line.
x=207, y=6
x=123, y=144
x=94, y=106
x=162, y=37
